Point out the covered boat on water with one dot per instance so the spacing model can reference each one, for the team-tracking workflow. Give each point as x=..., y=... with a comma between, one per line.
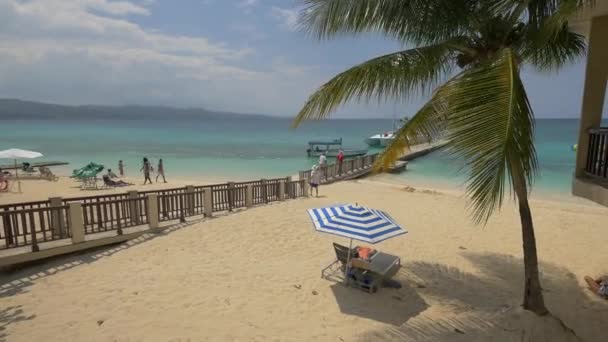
x=331, y=148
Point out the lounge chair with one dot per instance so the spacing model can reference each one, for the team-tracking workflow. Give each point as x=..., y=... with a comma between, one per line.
x=382, y=264
x=88, y=183
x=110, y=183
x=46, y=173
x=366, y=275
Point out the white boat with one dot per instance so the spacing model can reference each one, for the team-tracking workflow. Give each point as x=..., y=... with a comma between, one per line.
x=380, y=140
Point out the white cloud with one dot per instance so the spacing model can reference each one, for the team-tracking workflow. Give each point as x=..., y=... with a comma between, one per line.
x=287, y=17
x=88, y=51
x=248, y=3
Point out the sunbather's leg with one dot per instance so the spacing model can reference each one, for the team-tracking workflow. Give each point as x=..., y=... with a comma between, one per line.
x=593, y=284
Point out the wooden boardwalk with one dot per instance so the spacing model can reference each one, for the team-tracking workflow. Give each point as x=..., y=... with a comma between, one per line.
x=362, y=166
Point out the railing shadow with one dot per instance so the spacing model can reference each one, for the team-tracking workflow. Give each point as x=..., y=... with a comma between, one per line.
x=487, y=306
x=19, y=278
x=10, y=315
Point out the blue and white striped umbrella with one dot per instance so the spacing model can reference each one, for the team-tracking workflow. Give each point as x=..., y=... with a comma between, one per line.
x=356, y=222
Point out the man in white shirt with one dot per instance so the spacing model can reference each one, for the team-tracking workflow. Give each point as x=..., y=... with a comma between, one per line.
x=323, y=164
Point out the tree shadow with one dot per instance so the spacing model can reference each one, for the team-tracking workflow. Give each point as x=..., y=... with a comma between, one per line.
x=9, y=316
x=18, y=278
x=390, y=306
x=486, y=306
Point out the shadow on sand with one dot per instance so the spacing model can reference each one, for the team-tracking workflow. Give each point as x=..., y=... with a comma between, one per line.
x=403, y=304
x=486, y=306
x=11, y=315
x=18, y=280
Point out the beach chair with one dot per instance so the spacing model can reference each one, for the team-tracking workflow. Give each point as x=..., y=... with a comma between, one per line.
x=370, y=274
x=109, y=183
x=383, y=264
x=89, y=183
x=46, y=173
x=339, y=264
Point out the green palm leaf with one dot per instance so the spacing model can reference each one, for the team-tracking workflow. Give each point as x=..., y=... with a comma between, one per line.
x=547, y=50
x=422, y=22
x=485, y=114
x=428, y=123
x=396, y=75
x=491, y=127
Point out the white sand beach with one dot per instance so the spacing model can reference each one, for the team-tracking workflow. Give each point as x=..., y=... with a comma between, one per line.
x=254, y=275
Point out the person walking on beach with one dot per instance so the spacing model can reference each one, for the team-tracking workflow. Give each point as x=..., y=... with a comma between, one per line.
x=121, y=168
x=160, y=169
x=146, y=168
x=340, y=159
x=323, y=164
x=315, y=180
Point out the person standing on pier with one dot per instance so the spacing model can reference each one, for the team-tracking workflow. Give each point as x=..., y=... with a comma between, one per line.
x=323, y=164
x=340, y=159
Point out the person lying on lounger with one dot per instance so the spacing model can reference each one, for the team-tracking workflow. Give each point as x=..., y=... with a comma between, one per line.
x=598, y=286
x=111, y=182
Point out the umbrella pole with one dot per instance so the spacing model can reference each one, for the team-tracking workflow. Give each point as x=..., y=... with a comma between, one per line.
x=346, y=269
x=17, y=176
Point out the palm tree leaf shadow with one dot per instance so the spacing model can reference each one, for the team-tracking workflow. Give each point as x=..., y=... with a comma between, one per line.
x=485, y=306
x=10, y=315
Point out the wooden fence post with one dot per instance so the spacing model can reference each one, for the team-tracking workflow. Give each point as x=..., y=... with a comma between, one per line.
x=305, y=188
x=76, y=222
x=281, y=190
x=133, y=207
x=231, y=195
x=208, y=202
x=190, y=199
x=57, y=221
x=249, y=196
x=153, y=214
x=264, y=190
x=289, y=187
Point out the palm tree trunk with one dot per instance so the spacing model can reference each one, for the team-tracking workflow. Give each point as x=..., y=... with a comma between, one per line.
x=533, y=296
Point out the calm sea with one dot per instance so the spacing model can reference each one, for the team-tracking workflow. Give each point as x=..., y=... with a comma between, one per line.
x=252, y=148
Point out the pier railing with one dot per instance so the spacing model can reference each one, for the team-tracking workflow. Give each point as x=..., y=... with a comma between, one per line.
x=350, y=168
x=597, y=154
x=80, y=218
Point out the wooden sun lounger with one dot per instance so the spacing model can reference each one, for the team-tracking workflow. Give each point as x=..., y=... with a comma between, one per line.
x=368, y=274
x=32, y=165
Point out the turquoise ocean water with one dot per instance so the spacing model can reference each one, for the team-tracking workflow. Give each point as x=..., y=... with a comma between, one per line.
x=252, y=148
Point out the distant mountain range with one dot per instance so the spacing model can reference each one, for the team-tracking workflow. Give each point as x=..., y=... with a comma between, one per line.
x=12, y=109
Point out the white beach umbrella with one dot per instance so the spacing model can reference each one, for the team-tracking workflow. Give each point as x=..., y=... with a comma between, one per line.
x=16, y=153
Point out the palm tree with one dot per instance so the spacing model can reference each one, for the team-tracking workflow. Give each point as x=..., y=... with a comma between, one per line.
x=470, y=53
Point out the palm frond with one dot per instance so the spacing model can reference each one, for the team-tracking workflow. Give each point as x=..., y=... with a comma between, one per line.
x=396, y=75
x=491, y=128
x=421, y=22
x=552, y=15
x=547, y=50
x=427, y=124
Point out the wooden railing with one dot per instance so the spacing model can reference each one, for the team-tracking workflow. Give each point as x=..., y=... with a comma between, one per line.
x=32, y=226
x=597, y=154
x=351, y=168
x=103, y=216
x=27, y=224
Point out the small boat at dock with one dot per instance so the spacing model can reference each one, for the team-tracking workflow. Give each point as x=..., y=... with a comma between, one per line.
x=331, y=148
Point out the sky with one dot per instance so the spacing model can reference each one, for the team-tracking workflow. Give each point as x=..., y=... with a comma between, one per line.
x=228, y=55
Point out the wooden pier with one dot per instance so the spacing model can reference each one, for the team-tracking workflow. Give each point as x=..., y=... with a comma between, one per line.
x=362, y=166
